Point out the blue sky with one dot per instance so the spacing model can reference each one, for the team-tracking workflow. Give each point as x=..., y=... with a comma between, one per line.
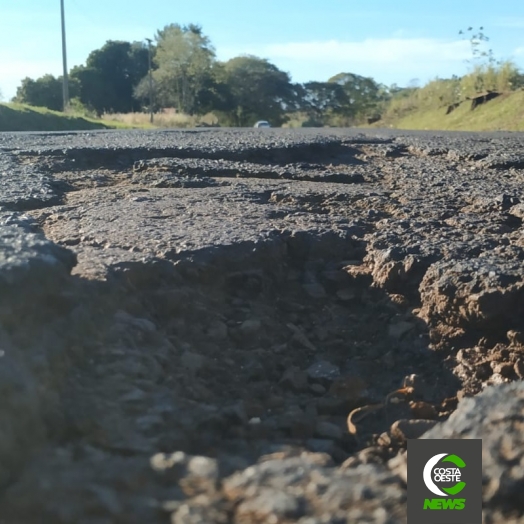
x=394, y=42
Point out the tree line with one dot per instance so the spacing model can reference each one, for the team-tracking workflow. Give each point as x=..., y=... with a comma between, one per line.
x=187, y=76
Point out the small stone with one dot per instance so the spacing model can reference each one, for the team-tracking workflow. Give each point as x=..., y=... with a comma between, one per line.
x=404, y=429
x=384, y=440
x=295, y=379
x=318, y=389
x=399, y=300
x=203, y=467
x=515, y=338
x=250, y=327
x=323, y=370
x=162, y=462
x=497, y=378
x=423, y=410
x=300, y=337
x=329, y=431
x=398, y=329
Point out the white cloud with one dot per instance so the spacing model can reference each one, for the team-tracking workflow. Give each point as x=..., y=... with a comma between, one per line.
x=387, y=60
x=377, y=51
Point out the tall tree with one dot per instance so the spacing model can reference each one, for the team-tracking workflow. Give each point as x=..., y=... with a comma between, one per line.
x=110, y=75
x=323, y=100
x=257, y=90
x=184, y=58
x=363, y=93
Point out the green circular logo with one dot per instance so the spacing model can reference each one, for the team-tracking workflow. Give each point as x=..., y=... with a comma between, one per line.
x=444, y=474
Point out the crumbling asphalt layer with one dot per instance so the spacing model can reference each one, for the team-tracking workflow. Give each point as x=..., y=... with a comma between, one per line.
x=247, y=325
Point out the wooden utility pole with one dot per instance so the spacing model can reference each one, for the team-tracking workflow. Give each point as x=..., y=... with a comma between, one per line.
x=65, y=80
x=150, y=81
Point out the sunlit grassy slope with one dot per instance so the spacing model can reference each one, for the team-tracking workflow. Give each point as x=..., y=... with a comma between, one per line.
x=505, y=113
x=20, y=117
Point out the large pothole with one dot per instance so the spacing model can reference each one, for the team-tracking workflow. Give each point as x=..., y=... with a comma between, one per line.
x=250, y=333
x=255, y=350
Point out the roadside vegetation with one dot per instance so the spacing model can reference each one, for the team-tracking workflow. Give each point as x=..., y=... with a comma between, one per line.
x=188, y=87
x=22, y=117
x=187, y=79
x=449, y=103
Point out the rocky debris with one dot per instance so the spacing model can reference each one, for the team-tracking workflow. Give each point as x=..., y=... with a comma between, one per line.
x=281, y=489
x=202, y=311
x=24, y=188
x=495, y=417
x=484, y=295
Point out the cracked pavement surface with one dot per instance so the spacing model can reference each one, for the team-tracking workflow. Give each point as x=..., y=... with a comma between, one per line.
x=187, y=318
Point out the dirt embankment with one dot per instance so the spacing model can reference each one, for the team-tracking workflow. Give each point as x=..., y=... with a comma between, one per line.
x=245, y=326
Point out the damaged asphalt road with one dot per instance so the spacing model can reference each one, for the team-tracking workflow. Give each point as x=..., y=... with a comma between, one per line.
x=247, y=325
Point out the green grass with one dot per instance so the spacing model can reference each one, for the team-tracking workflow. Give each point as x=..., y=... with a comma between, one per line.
x=505, y=113
x=21, y=117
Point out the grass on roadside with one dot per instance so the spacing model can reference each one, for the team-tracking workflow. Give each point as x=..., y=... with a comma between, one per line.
x=504, y=113
x=165, y=119
x=21, y=117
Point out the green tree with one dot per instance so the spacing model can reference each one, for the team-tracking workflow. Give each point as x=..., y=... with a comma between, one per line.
x=321, y=101
x=45, y=91
x=184, y=58
x=257, y=89
x=110, y=75
x=363, y=94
